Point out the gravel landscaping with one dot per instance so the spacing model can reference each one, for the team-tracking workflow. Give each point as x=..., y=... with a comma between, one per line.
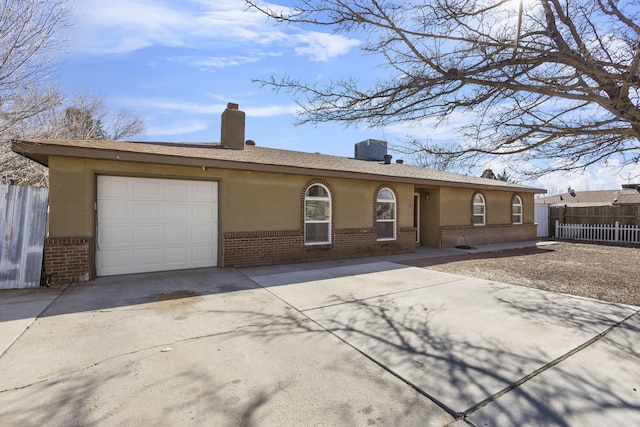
x=609, y=273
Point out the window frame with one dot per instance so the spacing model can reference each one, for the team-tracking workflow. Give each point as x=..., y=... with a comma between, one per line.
x=326, y=221
x=474, y=215
x=515, y=205
x=393, y=220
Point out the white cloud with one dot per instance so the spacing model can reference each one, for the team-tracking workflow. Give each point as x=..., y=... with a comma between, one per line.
x=176, y=129
x=322, y=47
x=124, y=26
x=597, y=177
x=162, y=105
x=271, y=111
x=214, y=61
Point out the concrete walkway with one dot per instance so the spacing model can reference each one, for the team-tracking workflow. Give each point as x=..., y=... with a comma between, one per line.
x=359, y=342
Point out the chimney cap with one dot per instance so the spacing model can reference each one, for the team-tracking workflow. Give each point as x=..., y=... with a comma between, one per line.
x=232, y=106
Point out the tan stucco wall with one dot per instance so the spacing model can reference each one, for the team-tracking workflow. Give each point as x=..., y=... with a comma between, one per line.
x=456, y=206
x=249, y=201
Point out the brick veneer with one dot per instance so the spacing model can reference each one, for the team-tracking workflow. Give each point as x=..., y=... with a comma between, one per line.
x=67, y=259
x=245, y=249
x=487, y=234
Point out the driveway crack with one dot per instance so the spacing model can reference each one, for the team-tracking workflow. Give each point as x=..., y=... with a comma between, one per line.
x=547, y=366
x=140, y=350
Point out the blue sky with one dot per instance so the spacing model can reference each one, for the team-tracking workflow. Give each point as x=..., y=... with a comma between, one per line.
x=178, y=63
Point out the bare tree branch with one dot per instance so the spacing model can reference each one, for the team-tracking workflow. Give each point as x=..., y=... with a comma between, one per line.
x=546, y=79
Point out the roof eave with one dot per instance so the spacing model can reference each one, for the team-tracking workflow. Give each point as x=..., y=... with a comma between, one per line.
x=41, y=153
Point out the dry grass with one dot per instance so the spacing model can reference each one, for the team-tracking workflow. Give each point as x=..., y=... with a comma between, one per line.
x=609, y=273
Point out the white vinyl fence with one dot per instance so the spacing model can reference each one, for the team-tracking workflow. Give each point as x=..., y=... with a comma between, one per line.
x=615, y=233
x=23, y=224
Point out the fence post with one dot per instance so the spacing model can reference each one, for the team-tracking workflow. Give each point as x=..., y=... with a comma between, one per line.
x=616, y=233
x=557, y=236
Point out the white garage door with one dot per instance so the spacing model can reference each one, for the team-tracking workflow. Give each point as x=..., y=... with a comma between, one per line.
x=148, y=224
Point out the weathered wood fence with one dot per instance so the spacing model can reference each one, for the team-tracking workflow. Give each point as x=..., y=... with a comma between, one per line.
x=624, y=214
x=613, y=233
x=23, y=224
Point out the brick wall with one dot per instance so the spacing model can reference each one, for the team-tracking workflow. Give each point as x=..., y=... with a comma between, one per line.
x=67, y=259
x=487, y=234
x=283, y=247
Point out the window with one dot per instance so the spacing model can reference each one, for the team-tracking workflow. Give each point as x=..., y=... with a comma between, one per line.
x=317, y=215
x=516, y=210
x=478, y=210
x=386, y=215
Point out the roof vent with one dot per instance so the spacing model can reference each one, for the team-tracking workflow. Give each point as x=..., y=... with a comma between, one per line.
x=399, y=161
x=250, y=142
x=387, y=159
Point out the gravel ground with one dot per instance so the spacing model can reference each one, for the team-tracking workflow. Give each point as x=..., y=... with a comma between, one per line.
x=609, y=273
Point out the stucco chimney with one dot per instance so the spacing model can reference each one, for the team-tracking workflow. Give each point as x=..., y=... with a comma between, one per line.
x=232, y=127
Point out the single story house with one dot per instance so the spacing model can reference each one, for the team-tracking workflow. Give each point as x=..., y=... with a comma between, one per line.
x=128, y=207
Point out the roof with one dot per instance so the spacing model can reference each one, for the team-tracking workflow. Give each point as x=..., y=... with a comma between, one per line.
x=254, y=158
x=593, y=198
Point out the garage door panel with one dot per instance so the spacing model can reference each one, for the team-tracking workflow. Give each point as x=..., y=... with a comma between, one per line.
x=203, y=212
x=203, y=233
x=205, y=193
x=177, y=191
x=147, y=234
x=115, y=236
x=145, y=212
x=118, y=188
x=147, y=189
x=147, y=256
x=202, y=253
x=147, y=224
x=116, y=212
x=177, y=212
x=177, y=234
x=176, y=254
x=111, y=259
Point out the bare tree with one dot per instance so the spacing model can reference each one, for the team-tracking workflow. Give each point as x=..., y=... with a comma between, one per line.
x=543, y=79
x=80, y=117
x=85, y=116
x=27, y=38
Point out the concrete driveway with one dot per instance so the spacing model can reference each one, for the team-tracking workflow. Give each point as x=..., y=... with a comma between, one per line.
x=352, y=343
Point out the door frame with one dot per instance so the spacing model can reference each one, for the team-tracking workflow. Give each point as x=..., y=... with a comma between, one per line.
x=416, y=215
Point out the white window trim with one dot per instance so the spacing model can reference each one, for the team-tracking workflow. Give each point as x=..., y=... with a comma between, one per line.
x=395, y=216
x=519, y=204
x=317, y=221
x=484, y=210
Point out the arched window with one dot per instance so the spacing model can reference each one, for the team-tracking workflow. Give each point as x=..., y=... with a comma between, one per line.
x=516, y=210
x=385, y=215
x=317, y=215
x=478, y=209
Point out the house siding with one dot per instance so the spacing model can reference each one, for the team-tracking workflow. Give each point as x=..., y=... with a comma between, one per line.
x=261, y=215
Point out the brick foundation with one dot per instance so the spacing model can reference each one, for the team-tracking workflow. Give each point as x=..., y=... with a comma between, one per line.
x=487, y=234
x=246, y=249
x=67, y=259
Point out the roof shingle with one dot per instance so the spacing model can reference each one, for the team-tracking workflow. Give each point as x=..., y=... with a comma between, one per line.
x=255, y=158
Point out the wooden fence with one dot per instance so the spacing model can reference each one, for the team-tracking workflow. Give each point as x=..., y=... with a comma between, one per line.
x=23, y=223
x=610, y=233
x=624, y=214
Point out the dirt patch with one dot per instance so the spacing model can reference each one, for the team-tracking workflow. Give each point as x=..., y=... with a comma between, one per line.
x=609, y=273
